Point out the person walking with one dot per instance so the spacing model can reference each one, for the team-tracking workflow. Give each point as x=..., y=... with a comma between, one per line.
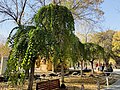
x=82, y=87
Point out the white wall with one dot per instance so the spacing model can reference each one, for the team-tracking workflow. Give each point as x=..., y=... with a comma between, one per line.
x=3, y=64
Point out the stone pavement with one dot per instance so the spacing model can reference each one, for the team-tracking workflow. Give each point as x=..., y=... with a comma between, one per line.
x=115, y=86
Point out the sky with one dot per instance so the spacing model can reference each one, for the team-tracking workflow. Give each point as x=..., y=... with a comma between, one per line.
x=111, y=9
x=111, y=20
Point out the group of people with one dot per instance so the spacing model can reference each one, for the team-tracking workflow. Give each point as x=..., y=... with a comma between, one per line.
x=103, y=67
x=100, y=67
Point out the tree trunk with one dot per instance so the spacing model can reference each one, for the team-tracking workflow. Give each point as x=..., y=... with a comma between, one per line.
x=62, y=72
x=53, y=67
x=27, y=73
x=78, y=65
x=60, y=2
x=81, y=68
x=53, y=1
x=106, y=61
x=31, y=77
x=74, y=66
x=92, y=67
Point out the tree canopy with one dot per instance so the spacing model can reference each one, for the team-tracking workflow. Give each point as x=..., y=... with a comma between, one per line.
x=104, y=39
x=93, y=52
x=116, y=43
x=51, y=36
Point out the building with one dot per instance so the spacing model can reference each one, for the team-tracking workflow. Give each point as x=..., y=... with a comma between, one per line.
x=43, y=65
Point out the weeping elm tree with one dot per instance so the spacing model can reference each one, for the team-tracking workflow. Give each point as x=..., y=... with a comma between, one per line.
x=58, y=21
x=51, y=35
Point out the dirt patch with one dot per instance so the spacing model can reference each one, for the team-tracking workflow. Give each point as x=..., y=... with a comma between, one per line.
x=72, y=82
x=90, y=83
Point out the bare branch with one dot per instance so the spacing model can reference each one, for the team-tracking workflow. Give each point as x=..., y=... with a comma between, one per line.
x=5, y=12
x=5, y=9
x=42, y=2
x=5, y=20
x=32, y=7
x=16, y=4
x=23, y=8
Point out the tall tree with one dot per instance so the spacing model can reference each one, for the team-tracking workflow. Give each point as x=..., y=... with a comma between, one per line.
x=51, y=36
x=59, y=21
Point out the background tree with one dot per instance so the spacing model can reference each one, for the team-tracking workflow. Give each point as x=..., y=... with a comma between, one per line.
x=116, y=45
x=59, y=21
x=93, y=52
x=78, y=55
x=104, y=39
x=12, y=10
x=19, y=11
x=84, y=10
x=4, y=50
x=86, y=29
x=22, y=11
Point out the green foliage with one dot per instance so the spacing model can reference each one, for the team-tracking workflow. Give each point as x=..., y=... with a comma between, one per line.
x=19, y=43
x=93, y=51
x=77, y=50
x=116, y=43
x=104, y=39
x=51, y=36
x=59, y=21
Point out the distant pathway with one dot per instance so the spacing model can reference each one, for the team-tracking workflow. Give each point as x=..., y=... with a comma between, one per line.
x=116, y=85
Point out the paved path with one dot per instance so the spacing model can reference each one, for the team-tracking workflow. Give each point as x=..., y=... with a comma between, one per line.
x=116, y=85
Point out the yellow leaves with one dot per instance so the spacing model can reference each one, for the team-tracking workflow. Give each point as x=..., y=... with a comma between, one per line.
x=4, y=50
x=116, y=42
x=116, y=38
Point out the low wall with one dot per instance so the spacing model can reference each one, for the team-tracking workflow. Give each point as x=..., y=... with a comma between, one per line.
x=48, y=85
